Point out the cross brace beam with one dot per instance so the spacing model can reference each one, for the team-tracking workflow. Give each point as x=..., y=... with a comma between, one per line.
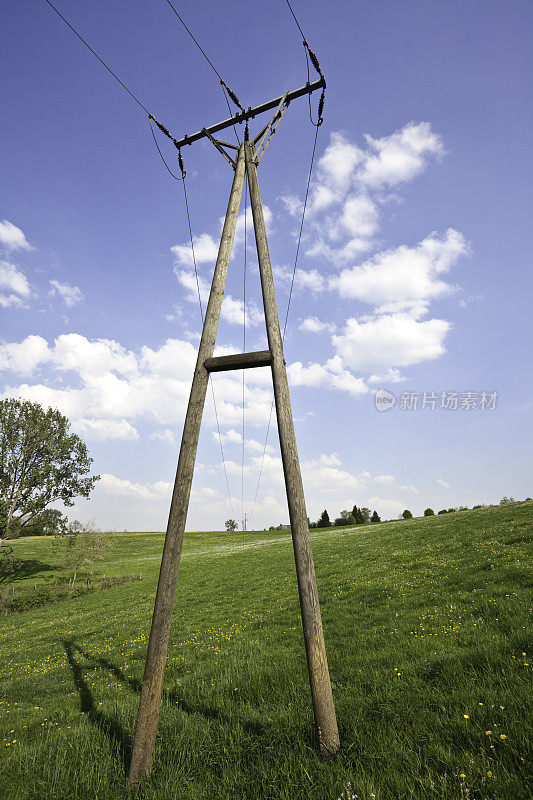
x=243, y=116
x=260, y=358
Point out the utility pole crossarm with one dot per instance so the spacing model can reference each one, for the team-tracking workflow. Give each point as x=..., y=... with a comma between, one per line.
x=243, y=116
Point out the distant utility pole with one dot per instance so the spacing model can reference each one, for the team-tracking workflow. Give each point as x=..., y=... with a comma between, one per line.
x=245, y=161
x=243, y=528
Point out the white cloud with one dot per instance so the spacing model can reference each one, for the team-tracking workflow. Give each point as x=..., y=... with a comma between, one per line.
x=234, y=438
x=239, y=228
x=292, y=204
x=406, y=278
x=385, y=479
x=233, y=312
x=408, y=488
x=393, y=340
x=314, y=325
x=399, y=157
x=387, y=508
x=230, y=437
x=165, y=435
x=359, y=216
x=336, y=169
x=69, y=294
x=121, y=487
x=346, y=196
x=232, y=309
x=329, y=376
x=100, y=430
x=25, y=356
x=443, y=483
x=12, y=237
x=14, y=286
x=102, y=380
x=205, y=251
x=391, y=376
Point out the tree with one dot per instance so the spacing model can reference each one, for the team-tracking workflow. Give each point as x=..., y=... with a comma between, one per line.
x=375, y=517
x=351, y=520
x=407, y=514
x=358, y=515
x=365, y=512
x=324, y=521
x=506, y=500
x=50, y=522
x=81, y=546
x=231, y=525
x=40, y=463
x=429, y=512
x=443, y=511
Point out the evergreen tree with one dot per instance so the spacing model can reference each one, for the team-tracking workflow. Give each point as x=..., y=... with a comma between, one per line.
x=324, y=521
x=375, y=517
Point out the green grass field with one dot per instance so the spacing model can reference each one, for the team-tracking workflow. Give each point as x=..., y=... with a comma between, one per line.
x=427, y=627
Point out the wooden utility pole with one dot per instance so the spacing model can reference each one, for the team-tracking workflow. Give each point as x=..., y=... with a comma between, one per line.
x=246, y=161
x=150, y=702
x=317, y=663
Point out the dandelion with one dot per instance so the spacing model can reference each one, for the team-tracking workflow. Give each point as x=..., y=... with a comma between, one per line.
x=487, y=733
x=466, y=716
x=489, y=773
x=462, y=775
x=503, y=736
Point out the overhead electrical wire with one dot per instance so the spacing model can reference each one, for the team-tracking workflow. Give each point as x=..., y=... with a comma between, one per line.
x=183, y=173
x=244, y=351
x=202, y=317
x=228, y=93
x=317, y=127
x=101, y=60
x=309, y=56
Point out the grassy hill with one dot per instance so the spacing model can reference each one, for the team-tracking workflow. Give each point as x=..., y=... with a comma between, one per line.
x=427, y=626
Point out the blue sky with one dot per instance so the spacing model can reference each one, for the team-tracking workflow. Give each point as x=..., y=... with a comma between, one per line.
x=414, y=273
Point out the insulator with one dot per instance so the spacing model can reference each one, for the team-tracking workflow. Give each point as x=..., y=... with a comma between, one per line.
x=180, y=162
x=321, y=106
x=234, y=98
x=314, y=61
x=162, y=128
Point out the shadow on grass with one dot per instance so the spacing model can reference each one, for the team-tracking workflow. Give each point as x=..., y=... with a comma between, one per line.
x=109, y=725
x=18, y=569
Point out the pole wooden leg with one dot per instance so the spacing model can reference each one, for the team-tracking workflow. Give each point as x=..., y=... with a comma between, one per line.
x=323, y=706
x=150, y=702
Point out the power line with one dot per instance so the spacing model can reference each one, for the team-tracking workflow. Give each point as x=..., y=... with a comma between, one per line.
x=244, y=351
x=88, y=46
x=301, y=229
x=202, y=316
x=161, y=154
x=309, y=56
x=296, y=21
x=317, y=127
x=226, y=91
